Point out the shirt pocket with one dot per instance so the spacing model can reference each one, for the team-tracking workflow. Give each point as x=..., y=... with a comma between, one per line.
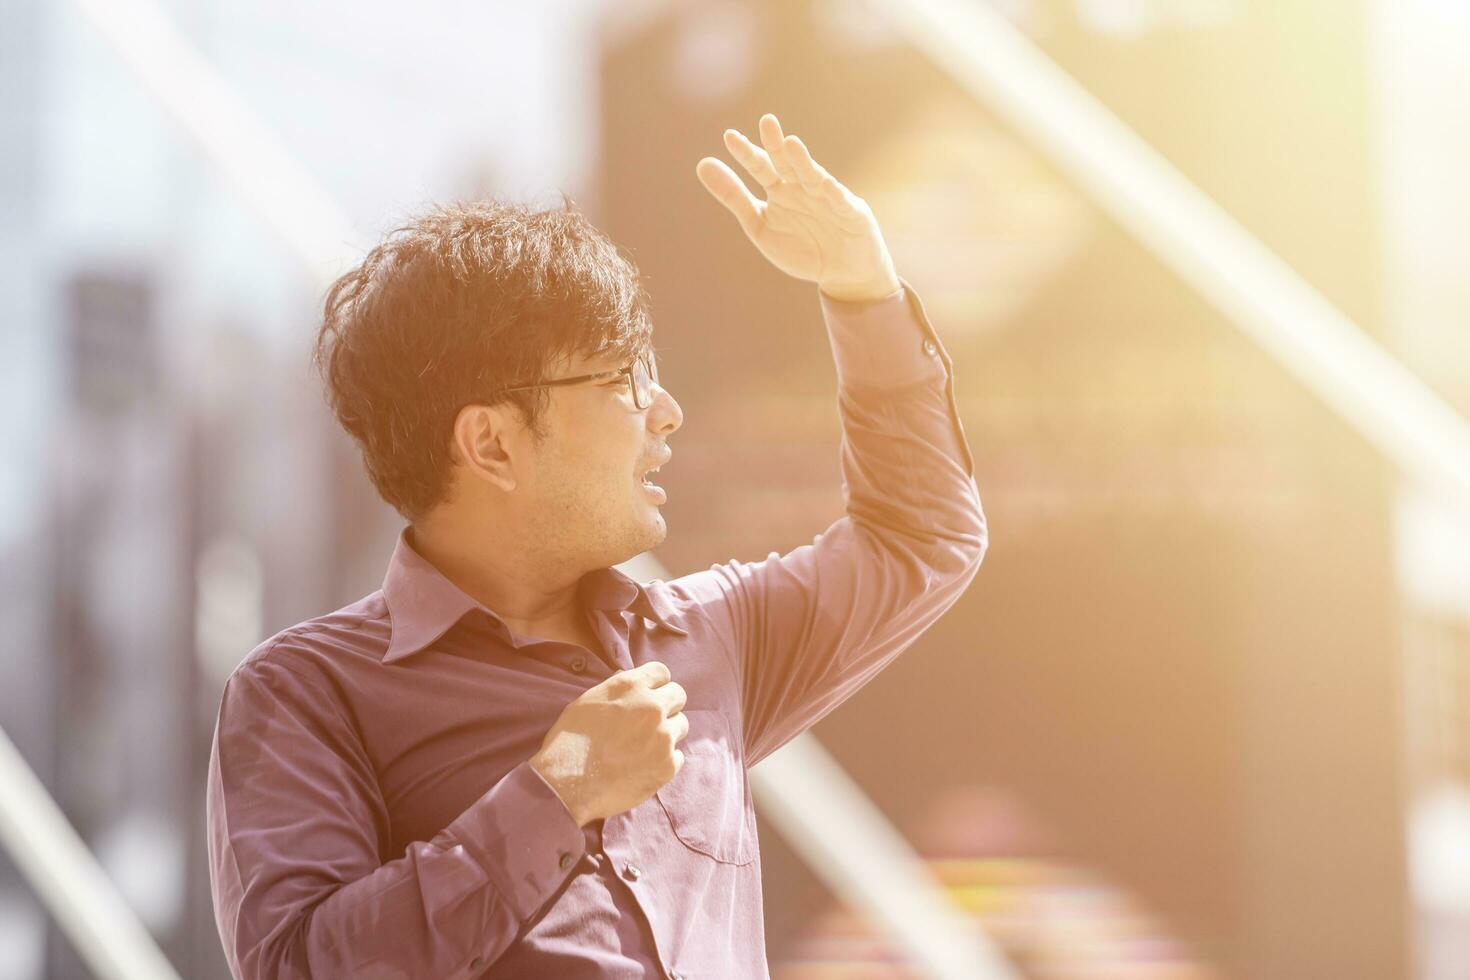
x=708, y=800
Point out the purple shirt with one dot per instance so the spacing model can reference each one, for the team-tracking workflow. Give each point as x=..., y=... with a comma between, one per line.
x=372, y=811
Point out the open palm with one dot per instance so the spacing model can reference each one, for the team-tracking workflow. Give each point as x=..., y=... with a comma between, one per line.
x=809, y=226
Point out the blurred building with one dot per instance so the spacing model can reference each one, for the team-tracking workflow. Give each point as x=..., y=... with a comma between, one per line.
x=1184, y=648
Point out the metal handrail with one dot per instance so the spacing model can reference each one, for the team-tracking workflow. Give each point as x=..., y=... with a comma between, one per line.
x=69, y=881
x=1329, y=354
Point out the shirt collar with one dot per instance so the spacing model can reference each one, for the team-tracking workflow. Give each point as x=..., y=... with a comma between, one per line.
x=611, y=589
x=423, y=604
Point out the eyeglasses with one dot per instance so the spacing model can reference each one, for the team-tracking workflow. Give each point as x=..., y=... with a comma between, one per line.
x=642, y=375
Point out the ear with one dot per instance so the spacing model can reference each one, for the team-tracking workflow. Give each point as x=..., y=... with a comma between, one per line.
x=486, y=440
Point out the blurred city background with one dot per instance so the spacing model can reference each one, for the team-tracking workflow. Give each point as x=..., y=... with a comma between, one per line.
x=1204, y=713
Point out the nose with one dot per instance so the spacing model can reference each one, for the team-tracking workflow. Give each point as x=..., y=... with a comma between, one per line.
x=664, y=414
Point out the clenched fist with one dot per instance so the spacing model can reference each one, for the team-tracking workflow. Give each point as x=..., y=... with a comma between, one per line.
x=614, y=746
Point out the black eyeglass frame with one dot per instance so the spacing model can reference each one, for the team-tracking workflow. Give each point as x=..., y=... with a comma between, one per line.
x=646, y=360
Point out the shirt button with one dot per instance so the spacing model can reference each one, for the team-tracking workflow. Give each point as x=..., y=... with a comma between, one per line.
x=567, y=860
x=579, y=664
x=476, y=963
x=931, y=348
x=631, y=872
x=676, y=975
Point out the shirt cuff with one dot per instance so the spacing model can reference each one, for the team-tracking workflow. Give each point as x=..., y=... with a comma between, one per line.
x=884, y=343
x=524, y=837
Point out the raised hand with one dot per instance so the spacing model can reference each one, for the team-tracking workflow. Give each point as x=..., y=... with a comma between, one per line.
x=809, y=226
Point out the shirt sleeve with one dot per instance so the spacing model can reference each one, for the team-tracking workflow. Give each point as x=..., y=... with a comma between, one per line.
x=296, y=839
x=811, y=627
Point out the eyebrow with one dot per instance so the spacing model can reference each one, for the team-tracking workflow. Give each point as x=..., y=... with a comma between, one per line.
x=613, y=362
x=603, y=366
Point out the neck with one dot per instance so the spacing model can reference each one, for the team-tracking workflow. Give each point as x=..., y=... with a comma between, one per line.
x=501, y=571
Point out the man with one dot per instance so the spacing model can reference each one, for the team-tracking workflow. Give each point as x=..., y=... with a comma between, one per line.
x=513, y=760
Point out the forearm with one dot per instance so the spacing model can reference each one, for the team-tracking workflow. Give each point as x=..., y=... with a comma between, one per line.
x=449, y=907
x=817, y=623
x=907, y=469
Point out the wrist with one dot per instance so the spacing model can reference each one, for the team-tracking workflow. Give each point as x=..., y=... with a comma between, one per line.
x=864, y=292
x=563, y=785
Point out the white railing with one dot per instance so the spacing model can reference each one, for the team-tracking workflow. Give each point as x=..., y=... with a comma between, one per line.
x=68, y=880
x=1192, y=235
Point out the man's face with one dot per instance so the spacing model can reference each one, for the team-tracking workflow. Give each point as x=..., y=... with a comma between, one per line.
x=585, y=487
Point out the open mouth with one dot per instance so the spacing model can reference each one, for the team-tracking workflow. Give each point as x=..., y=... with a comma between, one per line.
x=653, y=489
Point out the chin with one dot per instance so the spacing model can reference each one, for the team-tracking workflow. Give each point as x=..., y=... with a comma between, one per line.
x=654, y=533
x=641, y=537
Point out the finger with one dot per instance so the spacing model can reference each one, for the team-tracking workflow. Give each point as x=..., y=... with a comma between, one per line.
x=673, y=697
x=730, y=191
x=678, y=761
x=752, y=158
x=808, y=171
x=772, y=139
x=680, y=726
x=653, y=673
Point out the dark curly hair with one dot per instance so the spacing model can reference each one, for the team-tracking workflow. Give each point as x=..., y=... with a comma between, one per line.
x=455, y=305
